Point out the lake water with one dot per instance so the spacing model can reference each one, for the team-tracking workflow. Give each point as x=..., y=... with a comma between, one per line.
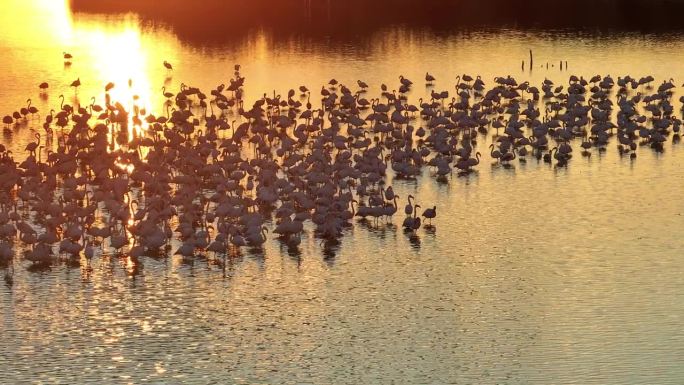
x=532, y=274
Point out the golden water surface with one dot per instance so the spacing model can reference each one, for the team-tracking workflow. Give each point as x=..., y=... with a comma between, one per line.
x=533, y=275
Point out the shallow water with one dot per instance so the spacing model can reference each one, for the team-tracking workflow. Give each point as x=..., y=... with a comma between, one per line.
x=532, y=275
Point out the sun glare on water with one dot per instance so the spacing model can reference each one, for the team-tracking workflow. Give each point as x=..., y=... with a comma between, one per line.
x=113, y=52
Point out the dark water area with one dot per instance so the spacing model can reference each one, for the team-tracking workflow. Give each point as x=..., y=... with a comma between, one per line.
x=225, y=20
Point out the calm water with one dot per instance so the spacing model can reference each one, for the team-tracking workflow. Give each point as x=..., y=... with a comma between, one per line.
x=532, y=275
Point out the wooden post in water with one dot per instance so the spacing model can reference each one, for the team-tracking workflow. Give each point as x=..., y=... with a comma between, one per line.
x=523, y=65
x=561, y=65
x=531, y=61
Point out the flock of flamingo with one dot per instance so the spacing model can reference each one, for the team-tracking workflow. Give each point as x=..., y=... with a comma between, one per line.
x=122, y=181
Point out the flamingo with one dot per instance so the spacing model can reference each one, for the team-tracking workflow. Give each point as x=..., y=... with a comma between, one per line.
x=33, y=146
x=409, y=209
x=7, y=120
x=429, y=79
x=76, y=83
x=166, y=94
x=284, y=164
x=430, y=213
x=412, y=223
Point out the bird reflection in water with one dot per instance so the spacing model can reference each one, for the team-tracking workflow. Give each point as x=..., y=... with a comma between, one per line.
x=467, y=174
x=295, y=253
x=188, y=261
x=430, y=229
x=229, y=265
x=73, y=263
x=330, y=249
x=292, y=249
x=133, y=266
x=381, y=229
x=414, y=240
x=38, y=267
x=8, y=276
x=257, y=255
